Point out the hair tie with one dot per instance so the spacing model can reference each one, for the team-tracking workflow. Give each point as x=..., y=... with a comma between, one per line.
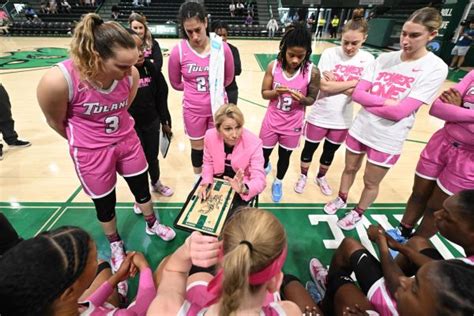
x=248, y=243
x=99, y=22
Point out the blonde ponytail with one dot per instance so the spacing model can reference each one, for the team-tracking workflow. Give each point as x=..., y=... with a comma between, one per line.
x=94, y=41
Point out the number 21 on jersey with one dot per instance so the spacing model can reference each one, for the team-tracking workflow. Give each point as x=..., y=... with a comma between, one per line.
x=201, y=84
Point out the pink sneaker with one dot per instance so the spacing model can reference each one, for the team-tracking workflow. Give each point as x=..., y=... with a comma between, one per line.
x=117, y=256
x=299, y=186
x=335, y=205
x=349, y=221
x=323, y=185
x=318, y=273
x=164, y=232
x=162, y=189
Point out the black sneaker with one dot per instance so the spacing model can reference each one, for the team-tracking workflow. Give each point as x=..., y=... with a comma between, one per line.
x=20, y=143
x=1, y=152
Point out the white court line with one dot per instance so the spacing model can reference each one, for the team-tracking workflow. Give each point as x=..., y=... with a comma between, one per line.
x=57, y=218
x=49, y=219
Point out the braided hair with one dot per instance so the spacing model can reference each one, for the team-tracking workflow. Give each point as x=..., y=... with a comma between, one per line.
x=453, y=281
x=295, y=35
x=38, y=270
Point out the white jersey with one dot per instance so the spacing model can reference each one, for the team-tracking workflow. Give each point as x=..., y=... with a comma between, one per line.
x=394, y=79
x=335, y=110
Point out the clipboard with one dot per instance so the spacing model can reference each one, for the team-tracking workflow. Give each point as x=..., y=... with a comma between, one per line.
x=207, y=217
x=165, y=142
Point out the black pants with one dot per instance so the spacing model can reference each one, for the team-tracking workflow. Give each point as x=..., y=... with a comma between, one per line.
x=319, y=32
x=233, y=95
x=150, y=139
x=6, y=121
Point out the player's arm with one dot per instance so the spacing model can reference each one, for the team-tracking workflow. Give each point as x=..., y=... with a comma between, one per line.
x=391, y=271
x=313, y=88
x=174, y=70
x=53, y=96
x=134, y=89
x=335, y=87
x=268, y=93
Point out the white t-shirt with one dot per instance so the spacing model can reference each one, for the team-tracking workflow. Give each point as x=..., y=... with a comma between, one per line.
x=397, y=80
x=335, y=110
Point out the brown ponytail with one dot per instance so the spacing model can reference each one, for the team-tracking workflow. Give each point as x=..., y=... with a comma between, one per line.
x=357, y=23
x=93, y=42
x=264, y=239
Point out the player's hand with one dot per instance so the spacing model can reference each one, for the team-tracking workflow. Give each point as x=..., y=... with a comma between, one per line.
x=237, y=181
x=375, y=233
x=298, y=96
x=282, y=90
x=349, y=92
x=124, y=271
x=203, y=250
x=140, y=261
x=329, y=76
x=355, y=311
x=204, y=191
x=167, y=130
x=451, y=96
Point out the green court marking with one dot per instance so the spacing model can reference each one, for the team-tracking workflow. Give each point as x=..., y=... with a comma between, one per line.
x=251, y=102
x=40, y=57
x=416, y=141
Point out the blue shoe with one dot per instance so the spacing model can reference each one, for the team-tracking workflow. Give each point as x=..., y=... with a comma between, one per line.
x=314, y=292
x=268, y=169
x=396, y=234
x=277, y=191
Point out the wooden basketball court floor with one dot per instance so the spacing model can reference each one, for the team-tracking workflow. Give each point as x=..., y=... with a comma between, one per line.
x=39, y=189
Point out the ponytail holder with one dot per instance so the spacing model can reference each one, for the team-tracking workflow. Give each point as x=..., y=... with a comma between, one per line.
x=99, y=22
x=248, y=243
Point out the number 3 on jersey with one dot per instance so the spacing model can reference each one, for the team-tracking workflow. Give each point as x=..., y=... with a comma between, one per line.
x=284, y=104
x=201, y=84
x=112, y=124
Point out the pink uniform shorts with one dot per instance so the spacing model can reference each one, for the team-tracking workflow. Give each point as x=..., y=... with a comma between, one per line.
x=270, y=138
x=373, y=156
x=449, y=163
x=97, y=169
x=196, y=126
x=316, y=134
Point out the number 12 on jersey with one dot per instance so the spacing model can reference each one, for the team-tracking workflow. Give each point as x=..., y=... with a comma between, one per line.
x=284, y=103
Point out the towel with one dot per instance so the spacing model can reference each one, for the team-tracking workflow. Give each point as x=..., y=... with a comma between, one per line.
x=216, y=73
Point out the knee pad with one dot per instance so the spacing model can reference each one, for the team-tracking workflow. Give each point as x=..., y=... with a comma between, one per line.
x=105, y=207
x=139, y=186
x=196, y=157
x=329, y=150
x=308, y=151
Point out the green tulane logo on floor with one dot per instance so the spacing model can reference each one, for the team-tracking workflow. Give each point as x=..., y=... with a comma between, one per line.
x=40, y=57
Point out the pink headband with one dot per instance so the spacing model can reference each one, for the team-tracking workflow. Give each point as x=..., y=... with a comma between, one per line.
x=215, y=286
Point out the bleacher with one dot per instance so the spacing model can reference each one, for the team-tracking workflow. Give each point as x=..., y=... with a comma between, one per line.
x=158, y=12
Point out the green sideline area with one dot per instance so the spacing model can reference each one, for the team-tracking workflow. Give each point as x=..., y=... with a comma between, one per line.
x=311, y=232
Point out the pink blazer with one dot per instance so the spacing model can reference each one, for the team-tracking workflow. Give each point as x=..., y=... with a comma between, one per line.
x=246, y=155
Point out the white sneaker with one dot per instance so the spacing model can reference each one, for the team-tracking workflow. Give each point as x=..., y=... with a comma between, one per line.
x=299, y=186
x=323, y=185
x=164, y=232
x=117, y=256
x=136, y=209
x=162, y=189
x=335, y=205
x=349, y=221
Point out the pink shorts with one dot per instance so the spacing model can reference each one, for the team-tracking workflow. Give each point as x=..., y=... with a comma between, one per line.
x=270, y=138
x=196, y=126
x=449, y=163
x=197, y=296
x=373, y=156
x=97, y=169
x=316, y=134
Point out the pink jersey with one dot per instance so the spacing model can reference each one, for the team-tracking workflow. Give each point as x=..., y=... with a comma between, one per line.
x=459, y=120
x=189, y=71
x=96, y=118
x=384, y=303
x=286, y=115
